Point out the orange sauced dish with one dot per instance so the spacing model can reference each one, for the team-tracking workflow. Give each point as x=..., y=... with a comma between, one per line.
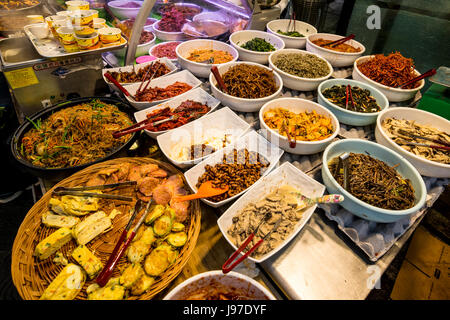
x=343, y=47
x=210, y=56
x=304, y=126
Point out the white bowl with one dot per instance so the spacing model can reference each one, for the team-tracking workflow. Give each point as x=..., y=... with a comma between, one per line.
x=39, y=30
x=201, y=69
x=238, y=38
x=291, y=42
x=425, y=167
x=297, y=83
x=197, y=94
x=349, y=117
x=297, y=105
x=150, y=52
x=245, y=285
x=168, y=36
x=215, y=16
x=251, y=141
x=392, y=94
x=242, y=104
x=200, y=130
x=141, y=49
x=162, y=82
x=336, y=58
x=136, y=68
x=286, y=174
x=124, y=13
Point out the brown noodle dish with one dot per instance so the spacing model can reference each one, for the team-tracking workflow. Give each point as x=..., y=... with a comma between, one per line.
x=249, y=81
x=75, y=135
x=374, y=182
x=156, y=93
x=161, y=69
x=238, y=170
x=14, y=5
x=342, y=47
x=399, y=130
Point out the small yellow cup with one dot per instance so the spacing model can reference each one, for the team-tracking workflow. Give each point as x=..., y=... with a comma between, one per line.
x=83, y=31
x=85, y=42
x=71, y=47
x=77, y=5
x=109, y=35
x=66, y=35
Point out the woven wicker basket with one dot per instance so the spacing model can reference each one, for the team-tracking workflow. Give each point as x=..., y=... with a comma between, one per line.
x=31, y=276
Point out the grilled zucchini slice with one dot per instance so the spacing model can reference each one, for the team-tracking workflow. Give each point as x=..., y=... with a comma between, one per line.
x=131, y=275
x=142, y=285
x=162, y=226
x=177, y=239
x=157, y=211
x=159, y=260
x=137, y=251
x=177, y=227
x=112, y=291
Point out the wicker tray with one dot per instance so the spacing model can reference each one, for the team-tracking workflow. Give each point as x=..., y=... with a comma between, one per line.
x=31, y=276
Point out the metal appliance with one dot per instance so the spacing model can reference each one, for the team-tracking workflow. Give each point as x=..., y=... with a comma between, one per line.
x=36, y=82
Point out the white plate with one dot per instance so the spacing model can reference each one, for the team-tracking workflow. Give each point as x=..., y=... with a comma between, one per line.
x=251, y=141
x=286, y=174
x=162, y=82
x=197, y=94
x=200, y=130
x=136, y=68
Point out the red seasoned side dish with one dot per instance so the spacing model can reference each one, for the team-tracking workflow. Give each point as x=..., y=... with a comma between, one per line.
x=165, y=50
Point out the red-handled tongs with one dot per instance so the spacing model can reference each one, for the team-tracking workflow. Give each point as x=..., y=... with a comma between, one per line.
x=142, y=125
x=121, y=246
x=227, y=267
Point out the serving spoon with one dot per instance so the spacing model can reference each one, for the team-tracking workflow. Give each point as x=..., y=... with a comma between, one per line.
x=205, y=190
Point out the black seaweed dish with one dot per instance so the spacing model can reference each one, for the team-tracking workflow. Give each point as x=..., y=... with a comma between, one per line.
x=56, y=174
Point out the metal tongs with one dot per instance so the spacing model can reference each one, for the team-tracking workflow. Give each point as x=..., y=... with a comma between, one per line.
x=122, y=244
x=80, y=191
x=227, y=267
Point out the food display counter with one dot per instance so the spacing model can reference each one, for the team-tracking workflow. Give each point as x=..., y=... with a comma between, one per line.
x=187, y=131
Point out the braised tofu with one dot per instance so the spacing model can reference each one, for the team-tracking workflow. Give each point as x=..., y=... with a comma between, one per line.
x=85, y=258
x=52, y=243
x=66, y=285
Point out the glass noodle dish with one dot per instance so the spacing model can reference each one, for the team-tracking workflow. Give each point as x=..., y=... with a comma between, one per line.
x=75, y=135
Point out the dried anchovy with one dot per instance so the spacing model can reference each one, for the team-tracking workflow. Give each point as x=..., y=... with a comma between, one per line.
x=374, y=182
x=239, y=170
x=302, y=65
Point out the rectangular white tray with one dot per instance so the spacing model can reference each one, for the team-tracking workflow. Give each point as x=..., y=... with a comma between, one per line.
x=251, y=141
x=200, y=130
x=197, y=94
x=51, y=48
x=162, y=82
x=286, y=174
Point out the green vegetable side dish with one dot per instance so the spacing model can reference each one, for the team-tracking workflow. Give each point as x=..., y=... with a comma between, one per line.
x=291, y=34
x=258, y=44
x=363, y=101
